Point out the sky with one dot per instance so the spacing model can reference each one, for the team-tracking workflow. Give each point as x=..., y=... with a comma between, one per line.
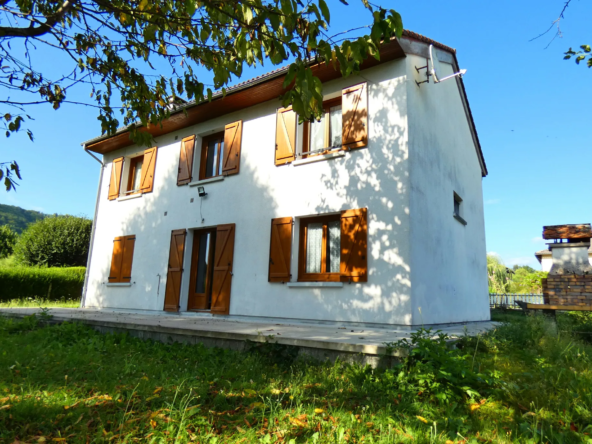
x=531, y=108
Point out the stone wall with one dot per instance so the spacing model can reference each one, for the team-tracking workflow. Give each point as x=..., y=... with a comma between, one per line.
x=568, y=290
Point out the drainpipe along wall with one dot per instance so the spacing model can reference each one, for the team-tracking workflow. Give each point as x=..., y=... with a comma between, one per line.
x=94, y=225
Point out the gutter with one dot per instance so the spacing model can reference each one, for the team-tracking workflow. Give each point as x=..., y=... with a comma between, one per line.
x=94, y=228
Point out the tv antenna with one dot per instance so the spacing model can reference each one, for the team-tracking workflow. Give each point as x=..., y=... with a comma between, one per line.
x=433, y=69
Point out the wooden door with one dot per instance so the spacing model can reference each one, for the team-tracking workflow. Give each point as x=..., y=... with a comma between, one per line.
x=175, y=270
x=222, y=276
x=200, y=282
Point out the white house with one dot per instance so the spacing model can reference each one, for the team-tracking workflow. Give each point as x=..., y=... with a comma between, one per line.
x=373, y=215
x=545, y=258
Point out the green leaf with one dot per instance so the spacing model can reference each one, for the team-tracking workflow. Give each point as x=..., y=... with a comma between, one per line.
x=325, y=11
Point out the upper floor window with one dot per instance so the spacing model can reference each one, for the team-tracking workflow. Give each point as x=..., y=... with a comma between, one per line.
x=457, y=211
x=212, y=153
x=325, y=134
x=135, y=175
x=343, y=125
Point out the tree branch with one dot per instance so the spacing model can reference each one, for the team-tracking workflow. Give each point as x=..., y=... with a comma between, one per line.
x=43, y=28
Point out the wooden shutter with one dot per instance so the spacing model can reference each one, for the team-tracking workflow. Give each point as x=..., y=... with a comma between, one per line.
x=232, y=147
x=148, y=165
x=354, y=106
x=175, y=271
x=280, y=250
x=185, y=173
x=121, y=260
x=127, y=258
x=116, y=259
x=223, y=259
x=354, y=245
x=115, y=182
x=285, y=136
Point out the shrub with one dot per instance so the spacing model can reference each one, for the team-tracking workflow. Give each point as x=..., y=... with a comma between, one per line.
x=49, y=283
x=56, y=241
x=7, y=241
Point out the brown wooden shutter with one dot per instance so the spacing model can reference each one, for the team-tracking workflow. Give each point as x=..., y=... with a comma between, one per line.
x=223, y=259
x=116, y=258
x=127, y=258
x=354, y=245
x=148, y=165
x=285, y=136
x=354, y=106
x=115, y=182
x=175, y=271
x=185, y=173
x=280, y=250
x=232, y=148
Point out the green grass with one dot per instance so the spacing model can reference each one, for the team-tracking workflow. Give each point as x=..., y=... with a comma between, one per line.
x=40, y=302
x=528, y=381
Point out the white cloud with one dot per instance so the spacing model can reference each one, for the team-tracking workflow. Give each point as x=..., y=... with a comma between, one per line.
x=492, y=201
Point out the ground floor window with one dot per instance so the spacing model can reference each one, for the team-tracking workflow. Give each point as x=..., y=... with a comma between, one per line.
x=320, y=248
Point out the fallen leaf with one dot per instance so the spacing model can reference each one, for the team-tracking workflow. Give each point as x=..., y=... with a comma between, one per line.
x=153, y=423
x=422, y=419
x=58, y=439
x=275, y=391
x=5, y=407
x=475, y=407
x=319, y=411
x=573, y=427
x=158, y=390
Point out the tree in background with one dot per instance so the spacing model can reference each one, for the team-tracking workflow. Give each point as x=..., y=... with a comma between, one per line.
x=498, y=275
x=148, y=51
x=8, y=239
x=527, y=280
x=56, y=241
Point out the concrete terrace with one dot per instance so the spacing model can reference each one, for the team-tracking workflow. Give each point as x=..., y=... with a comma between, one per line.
x=358, y=343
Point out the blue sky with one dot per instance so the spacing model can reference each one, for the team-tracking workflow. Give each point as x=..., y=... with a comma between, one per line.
x=531, y=108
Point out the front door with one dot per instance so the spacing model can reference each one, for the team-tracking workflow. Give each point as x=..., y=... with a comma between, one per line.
x=202, y=260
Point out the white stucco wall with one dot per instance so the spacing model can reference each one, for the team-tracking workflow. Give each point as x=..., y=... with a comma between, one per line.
x=547, y=261
x=375, y=177
x=448, y=259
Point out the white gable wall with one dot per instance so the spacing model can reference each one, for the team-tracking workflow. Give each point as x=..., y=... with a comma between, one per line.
x=375, y=177
x=448, y=259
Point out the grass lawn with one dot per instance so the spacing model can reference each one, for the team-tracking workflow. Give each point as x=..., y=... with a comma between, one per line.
x=529, y=381
x=40, y=302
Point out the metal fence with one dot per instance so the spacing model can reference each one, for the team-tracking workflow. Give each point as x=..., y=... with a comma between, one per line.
x=508, y=300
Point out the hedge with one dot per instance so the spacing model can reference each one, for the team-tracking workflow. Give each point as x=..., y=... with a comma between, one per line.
x=48, y=283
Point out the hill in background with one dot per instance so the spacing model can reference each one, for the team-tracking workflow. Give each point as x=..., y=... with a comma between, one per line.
x=17, y=217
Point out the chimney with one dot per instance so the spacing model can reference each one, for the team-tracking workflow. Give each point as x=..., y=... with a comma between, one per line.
x=570, y=279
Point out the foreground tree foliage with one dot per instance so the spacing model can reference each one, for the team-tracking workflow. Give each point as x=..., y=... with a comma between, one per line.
x=144, y=54
x=56, y=241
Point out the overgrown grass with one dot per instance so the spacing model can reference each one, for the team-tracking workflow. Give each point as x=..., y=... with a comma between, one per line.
x=40, y=302
x=525, y=382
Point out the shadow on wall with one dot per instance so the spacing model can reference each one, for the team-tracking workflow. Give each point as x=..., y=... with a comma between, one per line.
x=377, y=177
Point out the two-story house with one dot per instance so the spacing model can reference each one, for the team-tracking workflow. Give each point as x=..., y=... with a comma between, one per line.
x=372, y=215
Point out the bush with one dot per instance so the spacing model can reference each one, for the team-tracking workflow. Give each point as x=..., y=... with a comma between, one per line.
x=49, y=283
x=7, y=241
x=56, y=241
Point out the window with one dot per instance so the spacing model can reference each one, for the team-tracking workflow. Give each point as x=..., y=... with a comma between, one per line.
x=343, y=125
x=324, y=135
x=135, y=175
x=212, y=153
x=139, y=171
x=121, y=260
x=320, y=248
x=458, y=209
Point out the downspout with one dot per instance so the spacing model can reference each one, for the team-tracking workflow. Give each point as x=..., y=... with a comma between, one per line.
x=94, y=228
